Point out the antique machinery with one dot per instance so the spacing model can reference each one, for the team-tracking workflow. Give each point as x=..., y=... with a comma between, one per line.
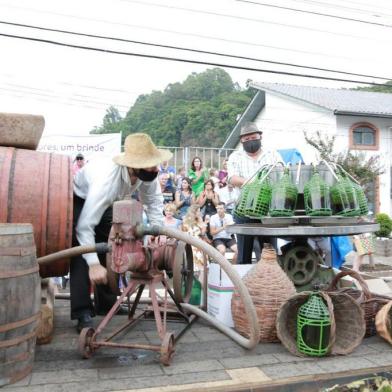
x=145, y=264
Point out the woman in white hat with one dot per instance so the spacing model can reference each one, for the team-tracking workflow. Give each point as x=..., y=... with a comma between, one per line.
x=96, y=187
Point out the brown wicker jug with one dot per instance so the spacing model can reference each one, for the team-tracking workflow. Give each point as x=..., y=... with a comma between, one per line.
x=384, y=322
x=269, y=287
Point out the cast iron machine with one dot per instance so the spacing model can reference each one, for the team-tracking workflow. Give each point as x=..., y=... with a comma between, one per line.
x=147, y=265
x=140, y=263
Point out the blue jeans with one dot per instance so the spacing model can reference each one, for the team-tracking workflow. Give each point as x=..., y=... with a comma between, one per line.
x=245, y=242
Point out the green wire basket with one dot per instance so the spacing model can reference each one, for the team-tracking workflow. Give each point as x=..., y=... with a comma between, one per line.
x=255, y=197
x=313, y=327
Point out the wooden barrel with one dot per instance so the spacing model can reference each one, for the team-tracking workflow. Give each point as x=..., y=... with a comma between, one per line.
x=20, y=293
x=36, y=188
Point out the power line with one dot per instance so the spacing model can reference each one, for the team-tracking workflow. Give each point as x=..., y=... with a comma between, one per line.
x=356, y=3
x=188, y=49
x=207, y=37
x=314, y=13
x=181, y=60
x=198, y=11
x=55, y=96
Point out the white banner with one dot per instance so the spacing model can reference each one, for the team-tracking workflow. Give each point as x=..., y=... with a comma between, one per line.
x=104, y=144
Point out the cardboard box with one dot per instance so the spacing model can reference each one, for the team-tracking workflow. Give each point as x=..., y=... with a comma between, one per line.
x=220, y=291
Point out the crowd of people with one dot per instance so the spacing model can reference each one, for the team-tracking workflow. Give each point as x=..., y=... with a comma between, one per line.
x=201, y=201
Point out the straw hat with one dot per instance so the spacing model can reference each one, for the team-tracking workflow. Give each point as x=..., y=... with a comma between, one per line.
x=140, y=152
x=249, y=128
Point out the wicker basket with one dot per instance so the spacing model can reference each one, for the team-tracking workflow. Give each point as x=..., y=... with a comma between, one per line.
x=269, y=287
x=347, y=322
x=370, y=303
x=383, y=322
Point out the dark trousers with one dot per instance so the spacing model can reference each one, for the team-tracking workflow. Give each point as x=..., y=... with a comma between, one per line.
x=245, y=242
x=80, y=285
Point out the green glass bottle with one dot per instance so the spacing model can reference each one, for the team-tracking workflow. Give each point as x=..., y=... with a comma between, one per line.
x=316, y=196
x=284, y=196
x=344, y=198
x=195, y=298
x=313, y=327
x=195, y=293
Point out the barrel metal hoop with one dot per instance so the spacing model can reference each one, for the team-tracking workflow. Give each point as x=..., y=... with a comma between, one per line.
x=15, y=274
x=21, y=251
x=19, y=323
x=16, y=341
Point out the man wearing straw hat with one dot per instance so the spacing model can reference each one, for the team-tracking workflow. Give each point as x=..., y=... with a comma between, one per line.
x=242, y=166
x=96, y=187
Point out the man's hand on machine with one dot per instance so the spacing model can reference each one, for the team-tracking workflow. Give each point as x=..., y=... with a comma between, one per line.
x=97, y=274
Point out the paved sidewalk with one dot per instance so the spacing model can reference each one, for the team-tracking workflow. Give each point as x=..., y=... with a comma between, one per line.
x=205, y=360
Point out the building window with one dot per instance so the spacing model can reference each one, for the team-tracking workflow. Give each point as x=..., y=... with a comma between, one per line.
x=364, y=136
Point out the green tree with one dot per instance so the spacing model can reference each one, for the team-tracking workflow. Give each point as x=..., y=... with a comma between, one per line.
x=111, y=122
x=202, y=110
x=362, y=167
x=386, y=88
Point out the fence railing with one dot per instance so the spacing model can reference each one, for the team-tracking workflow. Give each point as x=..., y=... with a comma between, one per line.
x=211, y=157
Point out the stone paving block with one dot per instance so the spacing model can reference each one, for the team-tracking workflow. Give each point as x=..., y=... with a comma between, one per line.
x=380, y=346
x=51, y=355
x=205, y=346
x=204, y=354
x=130, y=371
x=212, y=335
x=288, y=357
x=362, y=350
x=283, y=370
x=380, y=359
x=268, y=348
x=186, y=378
x=339, y=364
x=63, y=376
x=179, y=366
x=248, y=361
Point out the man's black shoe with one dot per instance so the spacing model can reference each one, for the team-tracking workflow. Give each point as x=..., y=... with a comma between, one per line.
x=122, y=311
x=84, y=321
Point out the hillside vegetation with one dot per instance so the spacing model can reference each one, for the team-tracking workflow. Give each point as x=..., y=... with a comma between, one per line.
x=201, y=111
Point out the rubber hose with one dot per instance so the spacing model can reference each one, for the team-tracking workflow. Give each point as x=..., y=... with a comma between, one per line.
x=250, y=309
x=102, y=247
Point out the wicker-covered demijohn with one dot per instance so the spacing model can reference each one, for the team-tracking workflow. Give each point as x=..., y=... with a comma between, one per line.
x=269, y=287
x=347, y=322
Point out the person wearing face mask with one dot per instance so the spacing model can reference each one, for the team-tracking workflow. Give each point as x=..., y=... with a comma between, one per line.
x=242, y=165
x=96, y=187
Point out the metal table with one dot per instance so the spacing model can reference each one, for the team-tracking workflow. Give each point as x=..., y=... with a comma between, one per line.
x=304, y=226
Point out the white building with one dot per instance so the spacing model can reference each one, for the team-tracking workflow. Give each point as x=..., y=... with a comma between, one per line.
x=360, y=120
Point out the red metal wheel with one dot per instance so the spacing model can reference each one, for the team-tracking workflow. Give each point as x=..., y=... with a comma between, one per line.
x=167, y=349
x=85, y=342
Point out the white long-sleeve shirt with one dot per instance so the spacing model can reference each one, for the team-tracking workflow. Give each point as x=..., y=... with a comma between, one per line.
x=102, y=182
x=242, y=165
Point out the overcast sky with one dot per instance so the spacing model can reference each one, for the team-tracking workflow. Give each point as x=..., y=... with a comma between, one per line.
x=73, y=87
